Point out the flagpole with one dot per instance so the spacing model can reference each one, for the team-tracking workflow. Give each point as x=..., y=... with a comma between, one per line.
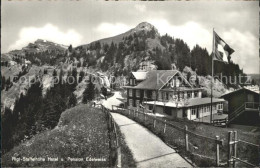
x=212, y=73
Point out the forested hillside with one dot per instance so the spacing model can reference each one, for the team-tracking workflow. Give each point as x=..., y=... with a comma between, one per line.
x=143, y=47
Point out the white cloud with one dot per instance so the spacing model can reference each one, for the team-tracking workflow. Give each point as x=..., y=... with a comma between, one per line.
x=48, y=32
x=109, y=29
x=140, y=8
x=244, y=43
x=191, y=32
x=246, y=48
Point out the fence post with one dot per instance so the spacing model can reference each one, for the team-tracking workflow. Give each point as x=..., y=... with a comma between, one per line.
x=186, y=138
x=110, y=122
x=217, y=152
x=129, y=112
x=144, y=118
x=229, y=147
x=235, y=148
x=119, y=157
x=164, y=129
x=114, y=127
x=154, y=123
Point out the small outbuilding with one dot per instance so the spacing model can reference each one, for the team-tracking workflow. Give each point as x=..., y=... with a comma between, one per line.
x=243, y=106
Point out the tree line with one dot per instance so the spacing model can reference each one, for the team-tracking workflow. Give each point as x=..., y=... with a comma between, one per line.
x=172, y=50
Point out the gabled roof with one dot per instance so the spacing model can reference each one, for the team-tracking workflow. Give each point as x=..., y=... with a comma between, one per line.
x=239, y=90
x=139, y=75
x=156, y=79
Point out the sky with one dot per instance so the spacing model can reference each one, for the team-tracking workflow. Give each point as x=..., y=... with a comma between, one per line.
x=81, y=22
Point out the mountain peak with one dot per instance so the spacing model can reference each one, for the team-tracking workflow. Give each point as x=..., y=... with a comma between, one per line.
x=40, y=40
x=145, y=26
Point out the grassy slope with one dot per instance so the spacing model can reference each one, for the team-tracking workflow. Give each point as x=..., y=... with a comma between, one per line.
x=81, y=132
x=207, y=149
x=127, y=158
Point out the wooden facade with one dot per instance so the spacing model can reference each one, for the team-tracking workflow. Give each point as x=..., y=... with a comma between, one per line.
x=246, y=102
x=175, y=89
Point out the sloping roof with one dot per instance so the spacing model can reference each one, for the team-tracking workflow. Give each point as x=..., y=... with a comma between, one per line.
x=183, y=89
x=190, y=102
x=238, y=90
x=139, y=75
x=156, y=79
x=201, y=101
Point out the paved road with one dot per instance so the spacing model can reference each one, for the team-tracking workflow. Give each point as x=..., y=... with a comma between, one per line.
x=148, y=150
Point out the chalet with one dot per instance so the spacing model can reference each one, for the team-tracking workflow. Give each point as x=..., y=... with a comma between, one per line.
x=168, y=92
x=243, y=106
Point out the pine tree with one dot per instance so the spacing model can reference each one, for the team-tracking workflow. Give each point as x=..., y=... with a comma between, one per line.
x=89, y=92
x=81, y=75
x=104, y=92
x=6, y=130
x=2, y=82
x=54, y=74
x=50, y=118
x=75, y=79
x=45, y=71
x=72, y=100
x=8, y=83
x=70, y=48
x=84, y=63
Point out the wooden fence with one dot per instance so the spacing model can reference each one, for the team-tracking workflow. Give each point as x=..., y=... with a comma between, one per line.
x=188, y=135
x=233, y=143
x=115, y=152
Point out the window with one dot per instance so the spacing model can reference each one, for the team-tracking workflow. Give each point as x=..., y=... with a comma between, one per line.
x=130, y=92
x=220, y=106
x=154, y=95
x=195, y=94
x=150, y=107
x=133, y=103
x=181, y=95
x=193, y=111
x=159, y=95
x=166, y=96
x=177, y=83
x=137, y=103
x=130, y=102
x=188, y=95
x=145, y=94
x=149, y=94
x=137, y=93
x=205, y=109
